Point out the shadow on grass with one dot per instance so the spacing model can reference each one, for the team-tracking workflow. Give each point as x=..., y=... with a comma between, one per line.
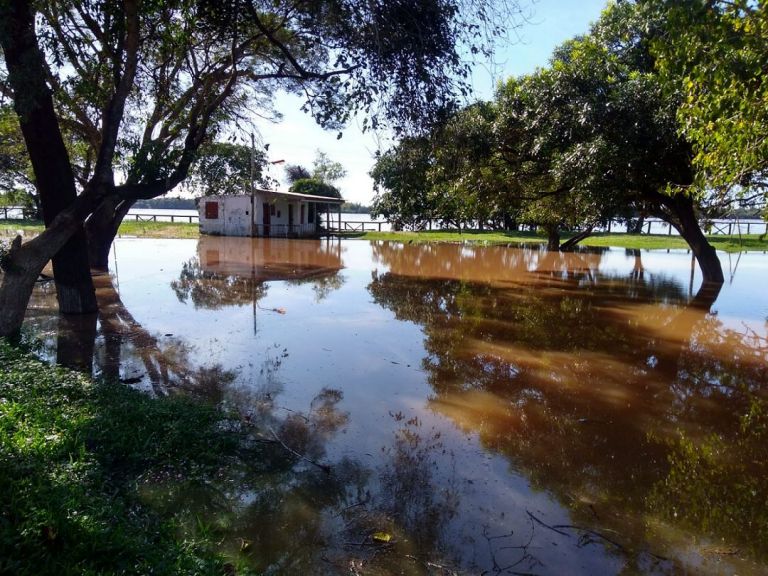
x=73, y=455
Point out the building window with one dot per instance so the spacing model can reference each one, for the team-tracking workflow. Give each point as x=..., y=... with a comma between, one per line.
x=211, y=210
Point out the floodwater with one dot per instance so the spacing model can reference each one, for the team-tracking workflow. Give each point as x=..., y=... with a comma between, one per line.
x=489, y=410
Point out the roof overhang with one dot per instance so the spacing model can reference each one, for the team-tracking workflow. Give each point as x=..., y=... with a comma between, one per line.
x=304, y=197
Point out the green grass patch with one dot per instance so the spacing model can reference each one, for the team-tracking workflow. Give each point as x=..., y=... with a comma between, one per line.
x=159, y=229
x=641, y=241
x=127, y=228
x=11, y=227
x=74, y=455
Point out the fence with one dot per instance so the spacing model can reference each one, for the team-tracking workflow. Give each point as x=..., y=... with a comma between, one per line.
x=190, y=218
x=650, y=226
x=356, y=226
x=12, y=212
x=285, y=230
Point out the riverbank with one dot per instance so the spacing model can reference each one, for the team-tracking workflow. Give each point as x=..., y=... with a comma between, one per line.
x=76, y=457
x=733, y=243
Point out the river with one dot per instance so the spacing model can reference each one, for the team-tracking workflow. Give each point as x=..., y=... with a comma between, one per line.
x=494, y=410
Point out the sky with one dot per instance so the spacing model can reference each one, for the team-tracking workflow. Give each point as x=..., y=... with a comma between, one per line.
x=296, y=139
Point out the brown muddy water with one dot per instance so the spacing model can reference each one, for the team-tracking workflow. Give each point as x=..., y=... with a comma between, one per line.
x=493, y=410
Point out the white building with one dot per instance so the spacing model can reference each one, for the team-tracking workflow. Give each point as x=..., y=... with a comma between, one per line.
x=266, y=213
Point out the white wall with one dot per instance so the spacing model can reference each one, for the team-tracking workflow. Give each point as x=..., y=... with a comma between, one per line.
x=235, y=215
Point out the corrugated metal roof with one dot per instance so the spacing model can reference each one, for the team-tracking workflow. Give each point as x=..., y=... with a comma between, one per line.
x=280, y=193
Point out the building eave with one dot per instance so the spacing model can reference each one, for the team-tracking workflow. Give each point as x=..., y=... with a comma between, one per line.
x=287, y=195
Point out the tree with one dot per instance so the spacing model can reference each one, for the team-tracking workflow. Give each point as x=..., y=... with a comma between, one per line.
x=590, y=138
x=558, y=138
x=215, y=59
x=315, y=187
x=326, y=170
x=225, y=168
x=401, y=184
x=54, y=176
x=467, y=179
x=599, y=124
x=295, y=172
x=152, y=83
x=17, y=184
x=714, y=54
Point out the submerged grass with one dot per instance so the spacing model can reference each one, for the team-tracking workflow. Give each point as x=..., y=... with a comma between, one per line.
x=752, y=242
x=73, y=453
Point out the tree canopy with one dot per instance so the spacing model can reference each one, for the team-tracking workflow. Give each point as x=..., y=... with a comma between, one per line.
x=146, y=85
x=326, y=170
x=714, y=54
x=594, y=136
x=226, y=168
x=319, y=181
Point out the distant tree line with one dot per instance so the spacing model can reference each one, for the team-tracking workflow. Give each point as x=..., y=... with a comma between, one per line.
x=167, y=203
x=355, y=208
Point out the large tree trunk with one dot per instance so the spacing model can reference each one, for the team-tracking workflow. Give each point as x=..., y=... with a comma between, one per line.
x=102, y=228
x=638, y=271
x=53, y=171
x=74, y=287
x=574, y=240
x=689, y=229
x=21, y=269
x=76, y=342
x=509, y=222
x=553, y=238
x=635, y=226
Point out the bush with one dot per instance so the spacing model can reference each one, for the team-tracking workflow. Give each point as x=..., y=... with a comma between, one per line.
x=315, y=188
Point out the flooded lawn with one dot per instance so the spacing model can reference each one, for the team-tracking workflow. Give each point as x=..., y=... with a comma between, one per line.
x=452, y=408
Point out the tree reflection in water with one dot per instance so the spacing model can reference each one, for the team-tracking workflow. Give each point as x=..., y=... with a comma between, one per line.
x=234, y=271
x=620, y=395
x=116, y=346
x=273, y=507
x=638, y=408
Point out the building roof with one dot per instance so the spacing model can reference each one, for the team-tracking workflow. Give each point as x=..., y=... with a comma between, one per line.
x=290, y=196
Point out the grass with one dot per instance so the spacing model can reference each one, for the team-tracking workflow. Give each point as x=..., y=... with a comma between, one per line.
x=73, y=456
x=127, y=228
x=11, y=227
x=641, y=241
x=159, y=229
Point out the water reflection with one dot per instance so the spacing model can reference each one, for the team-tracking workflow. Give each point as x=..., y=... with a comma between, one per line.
x=602, y=396
x=229, y=272
x=113, y=344
x=488, y=409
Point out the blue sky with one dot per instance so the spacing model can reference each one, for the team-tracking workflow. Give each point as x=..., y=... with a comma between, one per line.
x=297, y=137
